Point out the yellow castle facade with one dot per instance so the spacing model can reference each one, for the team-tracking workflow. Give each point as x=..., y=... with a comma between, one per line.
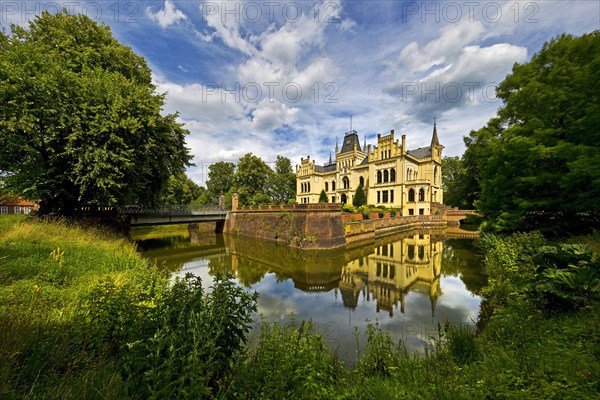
x=390, y=174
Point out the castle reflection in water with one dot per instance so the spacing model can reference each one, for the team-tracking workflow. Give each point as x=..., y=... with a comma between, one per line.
x=412, y=263
x=382, y=272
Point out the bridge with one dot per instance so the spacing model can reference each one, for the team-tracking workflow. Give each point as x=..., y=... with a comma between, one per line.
x=138, y=216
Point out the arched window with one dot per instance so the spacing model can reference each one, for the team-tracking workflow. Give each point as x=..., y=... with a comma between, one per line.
x=422, y=195
x=392, y=175
x=346, y=183
x=421, y=252
x=326, y=187
x=333, y=186
x=411, y=251
x=378, y=176
x=435, y=173
x=302, y=188
x=361, y=181
x=411, y=195
x=386, y=176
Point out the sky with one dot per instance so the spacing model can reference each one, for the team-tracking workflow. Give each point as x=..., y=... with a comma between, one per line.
x=291, y=78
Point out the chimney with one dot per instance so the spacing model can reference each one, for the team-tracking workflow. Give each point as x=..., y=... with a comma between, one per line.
x=403, y=144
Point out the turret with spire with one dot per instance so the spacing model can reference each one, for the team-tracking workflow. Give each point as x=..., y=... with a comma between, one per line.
x=434, y=140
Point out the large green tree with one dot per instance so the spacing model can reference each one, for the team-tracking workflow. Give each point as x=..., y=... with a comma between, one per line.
x=80, y=122
x=221, y=178
x=252, y=177
x=181, y=190
x=539, y=162
x=282, y=186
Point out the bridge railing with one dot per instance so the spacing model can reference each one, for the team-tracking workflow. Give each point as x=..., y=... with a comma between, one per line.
x=172, y=209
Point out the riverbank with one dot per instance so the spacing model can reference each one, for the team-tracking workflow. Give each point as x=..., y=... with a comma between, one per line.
x=82, y=316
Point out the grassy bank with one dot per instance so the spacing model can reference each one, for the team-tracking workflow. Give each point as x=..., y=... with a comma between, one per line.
x=82, y=315
x=48, y=274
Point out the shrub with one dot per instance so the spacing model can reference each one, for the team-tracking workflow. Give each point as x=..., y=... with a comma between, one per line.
x=349, y=208
x=359, y=197
x=323, y=197
x=380, y=355
x=193, y=342
x=286, y=362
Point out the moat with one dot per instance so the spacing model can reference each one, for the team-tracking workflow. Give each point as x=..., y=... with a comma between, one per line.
x=409, y=283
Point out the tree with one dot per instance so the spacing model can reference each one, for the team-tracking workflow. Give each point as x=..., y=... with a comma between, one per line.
x=283, y=181
x=221, y=178
x=359, y=197
x=80, y=121
x=539, y=163
x=251, y=178
x=323, y=197
x=181, y=190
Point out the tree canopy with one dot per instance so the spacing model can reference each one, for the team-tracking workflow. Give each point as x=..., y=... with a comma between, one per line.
x=283, y=181
x=538, y=164
x=80, y=121
x=253, y=180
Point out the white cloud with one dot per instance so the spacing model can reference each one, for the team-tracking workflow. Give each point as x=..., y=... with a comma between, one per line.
x=169, y=15
x=272, y=115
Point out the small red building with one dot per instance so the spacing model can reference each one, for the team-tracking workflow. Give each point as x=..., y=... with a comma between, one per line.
x=17, y=205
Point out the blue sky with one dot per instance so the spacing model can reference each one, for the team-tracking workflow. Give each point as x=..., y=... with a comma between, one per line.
x=283, y=77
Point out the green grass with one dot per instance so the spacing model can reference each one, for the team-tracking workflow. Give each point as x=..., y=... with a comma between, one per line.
x=47, y=270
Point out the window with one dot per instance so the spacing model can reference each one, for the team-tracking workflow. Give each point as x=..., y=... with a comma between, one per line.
x=391, y=196
x=421, y=211
x=26, y=210
x=333, y=199
x=17, y=209
x=333, y=186
x=421, y=252
x=326, y=186
x=361, y=181
x=411, y=251
x=378, y=196
x=378, y=176
x=411, y=195
x=386, y=176
x=391, y=250
x=411, y=211
x=385, y=196
x=346, y=182
x=422, y=195
x=392, y=271
x=4, y=210
x=384, y=250
x=344, y=199
x=392, y=175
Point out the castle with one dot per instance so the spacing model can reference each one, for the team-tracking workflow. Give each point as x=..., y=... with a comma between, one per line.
x=390, y=174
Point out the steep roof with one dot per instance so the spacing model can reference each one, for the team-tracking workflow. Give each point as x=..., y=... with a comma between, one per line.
x=350, y=140
x=421, y=152
x=325, y=168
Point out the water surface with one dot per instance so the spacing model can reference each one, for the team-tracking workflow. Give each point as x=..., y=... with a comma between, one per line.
x=408, y=283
